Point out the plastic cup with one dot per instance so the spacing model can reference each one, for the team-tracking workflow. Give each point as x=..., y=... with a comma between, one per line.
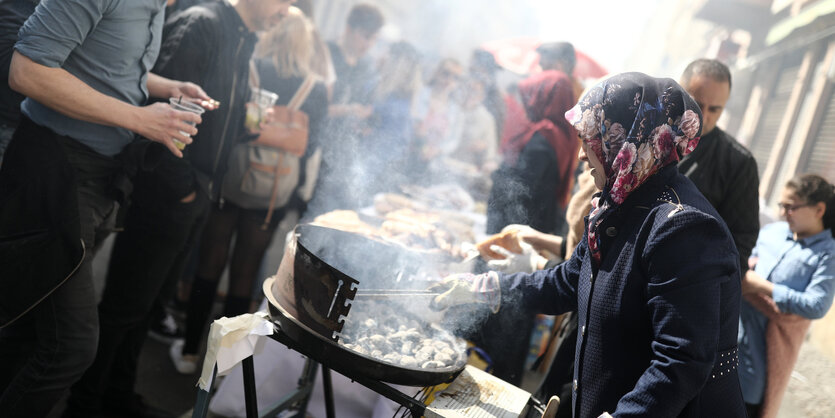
x=260, y=102
x=178, y=104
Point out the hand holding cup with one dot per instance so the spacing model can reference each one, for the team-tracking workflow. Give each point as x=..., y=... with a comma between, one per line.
x=184, y=106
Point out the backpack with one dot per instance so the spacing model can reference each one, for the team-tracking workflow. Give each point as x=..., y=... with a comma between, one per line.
x=265, y=177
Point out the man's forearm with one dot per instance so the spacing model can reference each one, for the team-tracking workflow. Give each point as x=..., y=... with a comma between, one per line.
x=161, y=87
x=65, y=93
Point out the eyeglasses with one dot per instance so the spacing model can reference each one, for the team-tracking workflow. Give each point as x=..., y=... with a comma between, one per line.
x=791, y=208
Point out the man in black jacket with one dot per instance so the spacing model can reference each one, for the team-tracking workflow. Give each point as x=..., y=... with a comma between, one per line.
x=210, y=44
x=722, y=168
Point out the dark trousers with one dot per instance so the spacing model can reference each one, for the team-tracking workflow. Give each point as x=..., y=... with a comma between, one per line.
x=49, y=348
x=252, y=238
x=151, y=251
x=752, y=410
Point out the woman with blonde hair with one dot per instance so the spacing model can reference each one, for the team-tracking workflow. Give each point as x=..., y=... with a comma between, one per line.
x=284, y=63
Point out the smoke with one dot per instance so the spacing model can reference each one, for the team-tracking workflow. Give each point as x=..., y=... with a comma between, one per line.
x=363, y=157
x=608, y=30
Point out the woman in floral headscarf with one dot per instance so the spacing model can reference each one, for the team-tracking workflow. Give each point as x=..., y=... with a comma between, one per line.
x=656, y=281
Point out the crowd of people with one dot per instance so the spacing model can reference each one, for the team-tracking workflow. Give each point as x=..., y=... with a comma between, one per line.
x=638, y=213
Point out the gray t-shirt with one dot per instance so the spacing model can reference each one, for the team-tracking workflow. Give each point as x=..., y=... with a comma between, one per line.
x=108, y=44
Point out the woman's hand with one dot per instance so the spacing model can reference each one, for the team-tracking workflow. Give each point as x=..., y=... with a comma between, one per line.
x=467, y=288
x=527, y=262
x=543, y=243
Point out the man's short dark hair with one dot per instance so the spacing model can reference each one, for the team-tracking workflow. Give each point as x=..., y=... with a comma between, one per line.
x=366, y=18
x=558, y=52
x=712, y=68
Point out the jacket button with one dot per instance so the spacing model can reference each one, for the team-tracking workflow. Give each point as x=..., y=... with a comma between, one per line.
x=583, y=330
x=611, y=231
x=575, y=385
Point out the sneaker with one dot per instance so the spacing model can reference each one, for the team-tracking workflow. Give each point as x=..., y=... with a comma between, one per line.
x=184, y=363
x=166, y=330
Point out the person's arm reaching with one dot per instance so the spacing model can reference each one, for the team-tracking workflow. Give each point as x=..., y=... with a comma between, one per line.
x=59, y=90
x=552, y=291
x=813, y=302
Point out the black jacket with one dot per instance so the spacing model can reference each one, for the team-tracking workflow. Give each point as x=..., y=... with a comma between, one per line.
x=12, y=15
x=40, y=237
x=659, y=316
x=726, y=174
x=40, y=229
x=209, y=45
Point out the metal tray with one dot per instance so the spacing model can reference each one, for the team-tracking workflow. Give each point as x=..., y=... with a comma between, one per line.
x=350, y=363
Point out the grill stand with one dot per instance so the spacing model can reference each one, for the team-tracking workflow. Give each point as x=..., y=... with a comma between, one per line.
x=302, y=394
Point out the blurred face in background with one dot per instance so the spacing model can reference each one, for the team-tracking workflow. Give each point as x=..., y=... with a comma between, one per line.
x=266, y=13
x=358, y=41
x=473, y=93
x=711, y=96
x=447, y=75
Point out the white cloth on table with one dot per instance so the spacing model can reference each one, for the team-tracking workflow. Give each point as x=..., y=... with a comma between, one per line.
x=277, y=371
x=230, y=341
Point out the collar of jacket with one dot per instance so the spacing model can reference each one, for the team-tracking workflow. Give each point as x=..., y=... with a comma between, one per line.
x=233, y=18
x=645, y=197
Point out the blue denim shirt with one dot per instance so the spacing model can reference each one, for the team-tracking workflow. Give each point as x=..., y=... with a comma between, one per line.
x=803, y=273
x=110, y=45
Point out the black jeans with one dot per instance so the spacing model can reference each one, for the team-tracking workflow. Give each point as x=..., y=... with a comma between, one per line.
x=152, y=250
x=752, y=410
x=251, y=242
x=48, y=349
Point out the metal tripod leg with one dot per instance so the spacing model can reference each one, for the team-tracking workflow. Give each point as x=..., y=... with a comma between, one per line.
x=249, y=388
x=201, y=406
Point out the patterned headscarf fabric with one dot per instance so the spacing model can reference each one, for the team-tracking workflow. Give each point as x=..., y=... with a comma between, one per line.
x=546, y=97
x=635, y=125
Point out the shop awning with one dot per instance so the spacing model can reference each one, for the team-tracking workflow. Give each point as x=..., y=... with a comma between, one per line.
x=736, y=14
x=782, y=29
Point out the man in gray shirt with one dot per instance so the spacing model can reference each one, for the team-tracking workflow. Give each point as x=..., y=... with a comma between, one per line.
x=84, y=67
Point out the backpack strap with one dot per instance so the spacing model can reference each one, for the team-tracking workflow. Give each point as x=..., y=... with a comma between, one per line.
x=301, y=94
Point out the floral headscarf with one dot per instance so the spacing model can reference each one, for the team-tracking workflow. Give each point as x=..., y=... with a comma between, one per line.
x=635, y=125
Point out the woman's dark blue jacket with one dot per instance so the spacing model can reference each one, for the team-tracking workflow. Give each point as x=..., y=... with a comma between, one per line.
x=658, y=319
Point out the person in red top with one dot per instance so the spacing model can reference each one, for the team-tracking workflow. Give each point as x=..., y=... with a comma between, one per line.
x=536, y=177
x=532, y=187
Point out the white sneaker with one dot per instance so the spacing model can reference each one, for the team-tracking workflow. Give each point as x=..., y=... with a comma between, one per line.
x=184, y=363
x=166, y=331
